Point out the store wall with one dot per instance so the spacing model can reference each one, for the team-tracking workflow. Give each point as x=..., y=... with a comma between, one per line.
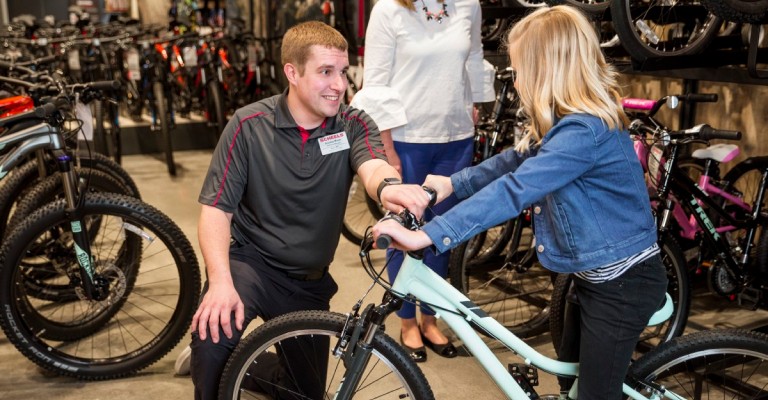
x=740, y=107
x=154, y=11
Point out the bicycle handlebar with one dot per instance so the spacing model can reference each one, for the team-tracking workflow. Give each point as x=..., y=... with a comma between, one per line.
x=706, y=132
x=405, y=218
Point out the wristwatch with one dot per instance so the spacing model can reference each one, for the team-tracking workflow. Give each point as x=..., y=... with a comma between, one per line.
x=384, y=183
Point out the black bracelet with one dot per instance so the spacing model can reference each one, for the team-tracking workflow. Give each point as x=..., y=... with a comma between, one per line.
x=386, y=182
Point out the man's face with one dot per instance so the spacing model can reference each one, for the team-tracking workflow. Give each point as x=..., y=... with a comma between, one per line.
x=321, y=87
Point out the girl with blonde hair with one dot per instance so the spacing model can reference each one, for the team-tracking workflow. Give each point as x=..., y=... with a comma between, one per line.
x=577, y=169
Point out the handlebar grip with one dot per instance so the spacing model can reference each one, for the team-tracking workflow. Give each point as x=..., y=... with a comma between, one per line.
x=708, y=133
x=699, y=97
x=104, y=85
x=46, y=110
x=638, y=104
x=383, y=241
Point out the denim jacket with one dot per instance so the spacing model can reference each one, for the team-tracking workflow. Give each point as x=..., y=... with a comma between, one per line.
x=586, y=186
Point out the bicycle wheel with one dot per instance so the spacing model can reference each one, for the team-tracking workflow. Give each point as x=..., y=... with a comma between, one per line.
x=516, y=292
x=488, y=245
x=143, y=262
x=744, y=11
x=163, y=119
x=289, y=357
x=678, y=287
x=661, y=28
x=714, y=364
x=362, y=211
x=588, y=6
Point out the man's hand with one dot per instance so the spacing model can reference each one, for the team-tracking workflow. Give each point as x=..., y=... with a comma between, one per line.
x=216, y=309
x=396, y=197
x=440, y=184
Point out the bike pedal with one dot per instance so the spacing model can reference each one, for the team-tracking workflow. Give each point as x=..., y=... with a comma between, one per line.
x=526, y=376
x=749, y=298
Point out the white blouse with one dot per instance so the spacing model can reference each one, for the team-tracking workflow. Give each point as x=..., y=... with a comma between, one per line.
x=421, y=78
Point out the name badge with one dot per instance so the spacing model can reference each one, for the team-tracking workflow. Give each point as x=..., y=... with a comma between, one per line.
x=333, y=143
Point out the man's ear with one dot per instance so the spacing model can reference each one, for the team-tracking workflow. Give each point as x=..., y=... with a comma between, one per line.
x=291, y=72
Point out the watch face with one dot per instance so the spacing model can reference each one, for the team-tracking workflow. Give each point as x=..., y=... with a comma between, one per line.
x=392, y=181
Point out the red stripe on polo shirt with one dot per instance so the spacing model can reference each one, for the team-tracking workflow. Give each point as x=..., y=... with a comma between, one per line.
x=229, y=154
x=367, y=133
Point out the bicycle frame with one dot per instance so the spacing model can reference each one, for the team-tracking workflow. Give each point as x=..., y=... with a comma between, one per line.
x=460, y=314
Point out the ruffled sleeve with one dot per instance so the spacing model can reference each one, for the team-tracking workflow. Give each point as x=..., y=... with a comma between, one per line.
x=383, y=104
x=481, y=73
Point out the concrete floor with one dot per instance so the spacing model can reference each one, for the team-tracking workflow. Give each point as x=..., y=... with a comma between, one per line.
x=177, y=197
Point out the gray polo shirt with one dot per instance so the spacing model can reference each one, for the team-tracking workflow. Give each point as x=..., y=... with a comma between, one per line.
x=288, y=194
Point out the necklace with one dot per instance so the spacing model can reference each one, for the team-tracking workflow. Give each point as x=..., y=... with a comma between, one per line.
x=438, y=16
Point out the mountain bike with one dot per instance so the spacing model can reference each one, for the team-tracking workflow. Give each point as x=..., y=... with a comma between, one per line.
x=125, y=279
x=357, y=359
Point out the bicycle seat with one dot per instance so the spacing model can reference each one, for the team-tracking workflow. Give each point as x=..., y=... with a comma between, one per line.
x=663, y=313
x=720, y=152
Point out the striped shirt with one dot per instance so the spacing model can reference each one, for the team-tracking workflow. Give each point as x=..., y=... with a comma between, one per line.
x=615, y=269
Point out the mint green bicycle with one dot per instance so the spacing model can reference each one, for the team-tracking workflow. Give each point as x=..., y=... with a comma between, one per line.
x=327, y=355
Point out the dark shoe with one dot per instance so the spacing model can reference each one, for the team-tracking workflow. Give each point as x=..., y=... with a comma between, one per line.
x=417, y=355
x=445, y=350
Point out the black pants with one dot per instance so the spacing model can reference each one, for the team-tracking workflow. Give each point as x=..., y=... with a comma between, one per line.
x=266, y=293
x=602, y=332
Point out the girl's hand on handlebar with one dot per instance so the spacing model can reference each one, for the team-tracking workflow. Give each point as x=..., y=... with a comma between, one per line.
x=441, y=185
x=402, y=238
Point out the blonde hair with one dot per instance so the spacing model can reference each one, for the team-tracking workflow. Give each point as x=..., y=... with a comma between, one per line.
x=299, y=39
x=561, y=70
x=409, y=4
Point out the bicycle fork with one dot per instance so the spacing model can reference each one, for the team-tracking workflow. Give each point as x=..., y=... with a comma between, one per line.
x=356, y=347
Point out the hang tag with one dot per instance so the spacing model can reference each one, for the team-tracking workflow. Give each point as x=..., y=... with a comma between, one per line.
x=83, y=113
x=333, y=143
x=134, y=69
x=73, y=60
x=189, y=53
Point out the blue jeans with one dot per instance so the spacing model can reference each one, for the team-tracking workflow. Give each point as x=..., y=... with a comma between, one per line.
x=607, y=324
x=417, y=161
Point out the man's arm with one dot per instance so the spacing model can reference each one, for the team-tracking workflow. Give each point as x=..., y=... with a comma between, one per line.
x=220, y=299
x=394, y=197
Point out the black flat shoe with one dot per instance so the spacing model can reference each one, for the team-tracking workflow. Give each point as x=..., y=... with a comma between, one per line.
x=445, y=350
x=418, y=355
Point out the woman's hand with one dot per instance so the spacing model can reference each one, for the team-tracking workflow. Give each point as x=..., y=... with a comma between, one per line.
x=440, y=184
x=402, y=238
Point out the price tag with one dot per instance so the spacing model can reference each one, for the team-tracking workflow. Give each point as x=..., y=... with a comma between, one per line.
x=252, y=58
x=189, y=53
x=134, y=69
x=83, y=113
x=73, y=60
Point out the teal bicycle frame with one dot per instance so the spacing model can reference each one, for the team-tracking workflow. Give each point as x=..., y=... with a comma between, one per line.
x=458, y=312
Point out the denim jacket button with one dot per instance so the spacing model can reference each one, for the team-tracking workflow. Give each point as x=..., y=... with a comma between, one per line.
x=446, y=241
x=540, y=248
x=537, y=210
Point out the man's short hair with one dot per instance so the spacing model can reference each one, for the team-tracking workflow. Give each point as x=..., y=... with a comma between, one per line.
x=299, y=39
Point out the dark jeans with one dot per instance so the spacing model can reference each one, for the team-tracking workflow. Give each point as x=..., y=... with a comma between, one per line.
x=607, y=324
x=266, y=293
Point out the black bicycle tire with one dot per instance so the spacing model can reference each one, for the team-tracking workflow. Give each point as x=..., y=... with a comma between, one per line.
x=351, y=227
x=114, y=139
x=702, y=349
x=317, y=322
x=631, y=40
x=681, y=298
x=140, y=214
x=163, y=119
x=216, y=108
x=99, y=132
x=588, y=7
x=746, y=12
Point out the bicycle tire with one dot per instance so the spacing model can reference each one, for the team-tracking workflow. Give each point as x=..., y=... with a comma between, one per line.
x=597, y=7
x=517, y=298
x=99, y=132
x=393, y=375
x=23, y=177
x=708, y=364
x=693, y=30
x=151, y=301
x=163, y=117
x=678, y=287
x=490, y=244
x=114, y=140
x=746, y=12
x=216, y=114
x=362, y=211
